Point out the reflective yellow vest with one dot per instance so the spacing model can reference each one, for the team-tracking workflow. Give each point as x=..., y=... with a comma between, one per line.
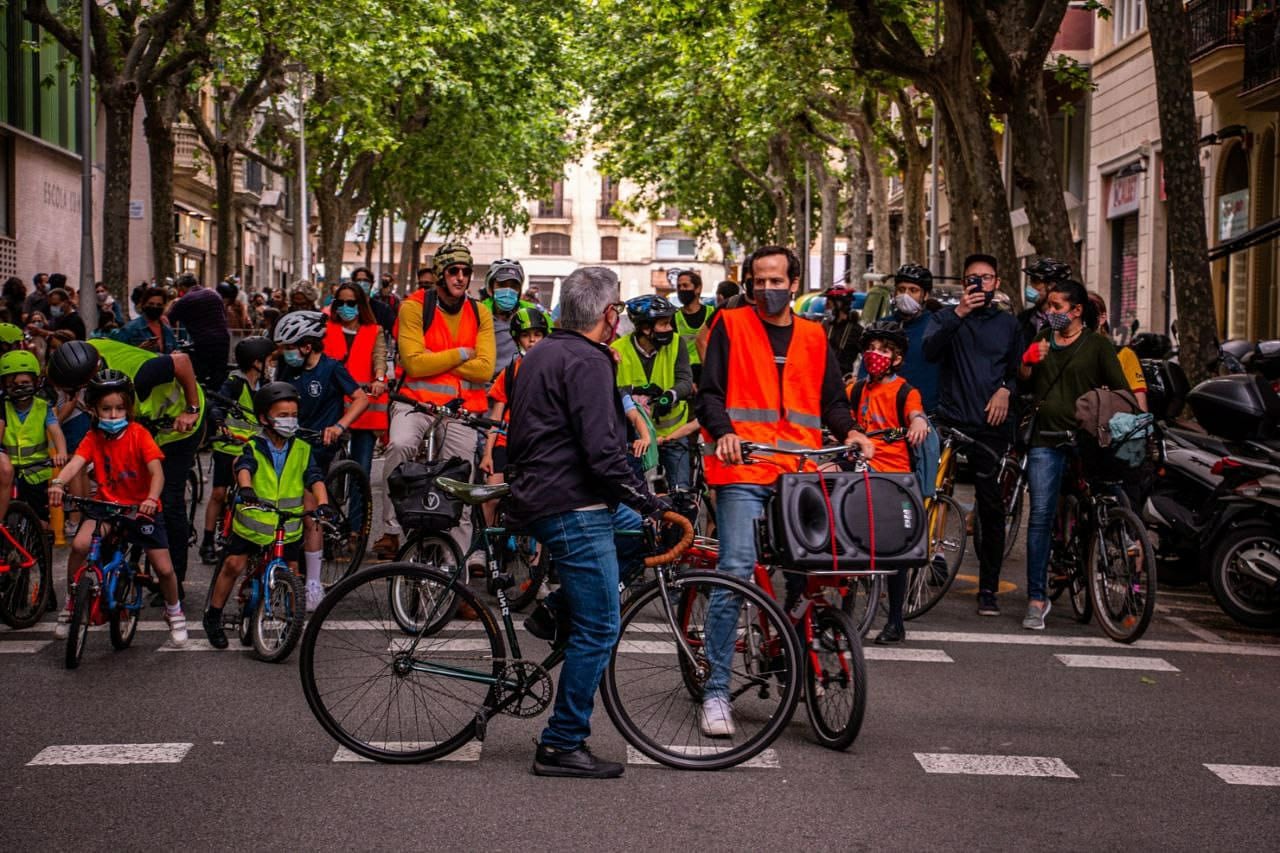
x=165, y=402
x=28, y=441
x=259, y=525
x=236, y=425
x=689, y=335
x=631, y=372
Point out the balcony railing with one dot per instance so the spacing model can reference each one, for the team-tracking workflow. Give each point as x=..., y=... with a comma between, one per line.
x=552, y=209
x=1261, y=52
x=606, y=207
x=1213, y=24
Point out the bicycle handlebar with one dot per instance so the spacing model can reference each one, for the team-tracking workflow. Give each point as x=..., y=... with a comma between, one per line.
x=750, y=447
x=686, y=539
x=450, y=410
x=91, y=506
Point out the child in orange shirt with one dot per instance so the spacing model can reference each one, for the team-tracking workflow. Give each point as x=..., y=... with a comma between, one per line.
x=885, y=401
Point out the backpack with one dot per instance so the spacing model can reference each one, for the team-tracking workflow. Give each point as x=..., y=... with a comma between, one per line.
x=429, y=300
x=926, y=457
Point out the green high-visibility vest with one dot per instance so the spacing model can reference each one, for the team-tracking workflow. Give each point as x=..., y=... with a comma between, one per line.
x=28, y=441
x=259, y=525
x=631, y=372
x=165, y=402
x=689, y=334
x=239, y=427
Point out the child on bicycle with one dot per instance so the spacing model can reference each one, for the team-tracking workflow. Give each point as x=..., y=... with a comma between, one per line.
x=126, y=464
x=29, y=426
x=885, y=401
x=251, y=363
x=277, y=469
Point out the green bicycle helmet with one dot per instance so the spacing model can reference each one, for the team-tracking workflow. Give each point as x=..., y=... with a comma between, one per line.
x=10, y=334
x=527, y=320
x=19, y=361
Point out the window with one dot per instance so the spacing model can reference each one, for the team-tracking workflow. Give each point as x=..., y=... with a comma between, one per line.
x=550, y=243
x=608, y=196
x=608, y=248
x=553, y=206
x=36, y=91
x=252, y=175
x=1128, y=17
x=677, y=247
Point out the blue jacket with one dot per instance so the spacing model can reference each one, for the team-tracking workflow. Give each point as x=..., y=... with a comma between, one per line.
x=976, y=355
x=916, y=368
x=135, y=332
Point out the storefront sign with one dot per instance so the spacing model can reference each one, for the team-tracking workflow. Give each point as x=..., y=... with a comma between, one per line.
x=1233, y=214
x=1124, y=197
x=135, y=209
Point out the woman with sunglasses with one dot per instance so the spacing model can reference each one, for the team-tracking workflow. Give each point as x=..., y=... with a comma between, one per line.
x=354, y=338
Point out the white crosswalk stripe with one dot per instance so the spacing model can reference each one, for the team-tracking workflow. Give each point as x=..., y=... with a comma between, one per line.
x=111, y=753
x=911, y=655
x=1117, y=662
x=1246, y=774
x=766, y=760
x=195, y=644
x=469, y=751
x=994, y=765
x=23, y=647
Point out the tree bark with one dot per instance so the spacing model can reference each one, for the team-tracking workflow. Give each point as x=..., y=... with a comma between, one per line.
x=227, y=225
x=878, y=195
x=370, y=239
x=407, y=255
x=915, y=166
x=829, y=198
x=118, y=110
x=1188, y=240
x=1036, y=173
x=333, y=224
x=859, y=189
x=962, y=239
x=162, y=109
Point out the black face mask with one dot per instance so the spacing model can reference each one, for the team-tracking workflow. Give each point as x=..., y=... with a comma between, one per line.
x=153, y=312
x=661, y=339
x=687, y=297
x=22, y=392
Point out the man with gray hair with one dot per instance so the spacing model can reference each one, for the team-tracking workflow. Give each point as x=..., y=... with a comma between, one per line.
x=572, y=486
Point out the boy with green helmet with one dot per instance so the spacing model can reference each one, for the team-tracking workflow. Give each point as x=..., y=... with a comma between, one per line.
x=10, y=337
x=29, y=427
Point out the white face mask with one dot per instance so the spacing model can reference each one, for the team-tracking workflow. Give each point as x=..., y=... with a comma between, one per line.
x=906, y=305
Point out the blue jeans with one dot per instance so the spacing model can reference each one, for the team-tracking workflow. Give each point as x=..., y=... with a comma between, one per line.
x=674, y=456
x=587, y=557
x=1044, y=479
x=737, y=508
x=362, y=442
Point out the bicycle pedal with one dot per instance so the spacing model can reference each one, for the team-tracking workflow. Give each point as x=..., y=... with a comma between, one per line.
x=482, y=724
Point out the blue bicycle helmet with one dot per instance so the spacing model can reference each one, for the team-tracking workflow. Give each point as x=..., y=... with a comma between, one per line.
x=650, y=308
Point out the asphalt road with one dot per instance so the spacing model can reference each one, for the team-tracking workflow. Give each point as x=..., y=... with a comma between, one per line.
x=992, y=742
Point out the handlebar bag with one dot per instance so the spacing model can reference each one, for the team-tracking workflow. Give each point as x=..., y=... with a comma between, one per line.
x=418, y=502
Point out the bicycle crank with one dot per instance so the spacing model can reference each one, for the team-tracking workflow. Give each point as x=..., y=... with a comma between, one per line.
x=523, y=689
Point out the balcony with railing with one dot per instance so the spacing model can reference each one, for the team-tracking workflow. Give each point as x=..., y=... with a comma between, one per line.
x=553, y=209
x=1217, y=42
x=1259, y=89
x=190, y=160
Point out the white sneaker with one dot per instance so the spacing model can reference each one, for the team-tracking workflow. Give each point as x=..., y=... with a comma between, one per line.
x=63, y=629
x=315, y=594
x=716, y=718
x=177, y=627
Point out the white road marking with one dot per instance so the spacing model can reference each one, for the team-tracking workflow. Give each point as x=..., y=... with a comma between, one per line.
x=766, y=760
x=48, y=626
x=1117, y=662
x=994, y=765
x=23, y=647
x=1174, y=606
x=429, y=644
x=1243, y=649
x=112, y=753
x=469, y=751
x=1246, y=774
x=195, y=644
x=913, y=655
x=1194, y=630
x=647, y=647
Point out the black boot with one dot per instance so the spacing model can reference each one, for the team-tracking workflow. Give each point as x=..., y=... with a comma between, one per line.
x=213, y=632
x=892, y=634
x=578, y=763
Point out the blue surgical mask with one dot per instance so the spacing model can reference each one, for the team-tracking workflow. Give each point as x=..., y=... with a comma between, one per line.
x=293, y=358
x=112, y=426
x=366, y=286
x=1031, y=295
x=506, y=299
x=285, y=426
x=347, y=313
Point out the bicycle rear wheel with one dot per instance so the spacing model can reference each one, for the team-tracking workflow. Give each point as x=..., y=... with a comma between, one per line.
x=24, y=590
x=1122, y=576
x=344, y=545
x=421, y=605
x=122, y=622
x=389, y=697
x=644, y=688
x=86, y=591
x=276, y=623
x=861, y=601
x=927, y=584
x=835, y=683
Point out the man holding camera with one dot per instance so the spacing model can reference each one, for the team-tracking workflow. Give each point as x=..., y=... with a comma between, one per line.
x=978, y=349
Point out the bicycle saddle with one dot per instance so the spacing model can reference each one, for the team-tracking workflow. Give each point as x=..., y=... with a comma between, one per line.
x=473, y=493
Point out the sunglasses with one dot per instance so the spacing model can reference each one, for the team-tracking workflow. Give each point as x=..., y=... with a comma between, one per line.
x=457, y=269
x=349, y=303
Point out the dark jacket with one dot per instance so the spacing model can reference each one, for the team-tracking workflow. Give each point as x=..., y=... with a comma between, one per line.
x=567, y=445
x=976, y=355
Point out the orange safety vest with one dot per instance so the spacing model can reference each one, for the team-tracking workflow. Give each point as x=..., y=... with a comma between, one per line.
x=786, y=413
x=443, y=387
x=359, y=363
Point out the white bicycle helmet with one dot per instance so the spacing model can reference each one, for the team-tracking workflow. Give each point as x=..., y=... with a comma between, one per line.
x=298, y=326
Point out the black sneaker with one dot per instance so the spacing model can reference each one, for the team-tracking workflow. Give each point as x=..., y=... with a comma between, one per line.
x=208, y=554
x=546, y=624
x=578, y=763
x=213, y=630
x=987, y=605
x=892, y=635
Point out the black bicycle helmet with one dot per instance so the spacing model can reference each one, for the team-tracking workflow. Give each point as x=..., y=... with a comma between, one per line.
x=107, y=381
x=1150, y=345
x=249, y=350
x=889, y=331
x=528, y=319
x=1048, y=270
x=270, y=394
x=649, y=309
x=73, y=364
x=915, y=274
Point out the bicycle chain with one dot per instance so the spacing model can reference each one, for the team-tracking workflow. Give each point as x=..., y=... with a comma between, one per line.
x=531, y=681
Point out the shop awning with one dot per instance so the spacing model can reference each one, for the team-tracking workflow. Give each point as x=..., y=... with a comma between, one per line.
x=1247, y=240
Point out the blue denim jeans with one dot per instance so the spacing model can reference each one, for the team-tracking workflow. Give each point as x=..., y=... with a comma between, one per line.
x=587, y=556
x=1044, y=479
x=362, y=442
x=674, y=456
x=737, y=508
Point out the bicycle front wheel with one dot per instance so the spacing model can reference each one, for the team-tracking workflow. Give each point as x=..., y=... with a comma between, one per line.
x=645, y=686
x=122, y=622
x=85, y=592
x=927, y=584
x=344, y=546
x=276, y=624
x=421, y=605
x=1122, y=576
x=25, y=591
x=391, y=697
x=859, y=601
x=835, y=683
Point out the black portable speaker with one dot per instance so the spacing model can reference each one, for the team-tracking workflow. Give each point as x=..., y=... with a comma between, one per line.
x=797, y=527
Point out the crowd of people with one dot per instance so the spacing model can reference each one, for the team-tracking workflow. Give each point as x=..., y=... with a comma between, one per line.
x=598, y=413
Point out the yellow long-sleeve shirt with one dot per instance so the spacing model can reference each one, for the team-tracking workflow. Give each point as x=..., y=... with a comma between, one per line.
x=419, y=362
